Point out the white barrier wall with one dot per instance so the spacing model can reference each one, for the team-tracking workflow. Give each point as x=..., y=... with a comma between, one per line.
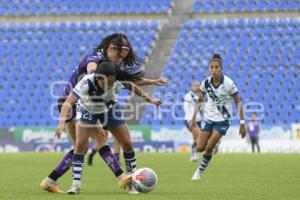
x=273, y=139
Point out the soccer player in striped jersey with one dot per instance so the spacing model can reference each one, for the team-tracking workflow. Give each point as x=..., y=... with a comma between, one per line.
x=219, y=90
x=96, y=95
x=117, y=49
x=190, y=100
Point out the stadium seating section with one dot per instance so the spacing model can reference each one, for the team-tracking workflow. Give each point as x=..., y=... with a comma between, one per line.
x=207, y=6
x=56, y=7
x=36, y=55
x=261, y=56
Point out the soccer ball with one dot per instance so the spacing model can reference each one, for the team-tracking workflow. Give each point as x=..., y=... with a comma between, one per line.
x=144, y=180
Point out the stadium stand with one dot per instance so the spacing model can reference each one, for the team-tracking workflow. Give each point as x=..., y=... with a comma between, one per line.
x=218, y=6
x=33, y=56
x=261, y=55
x=58, y=7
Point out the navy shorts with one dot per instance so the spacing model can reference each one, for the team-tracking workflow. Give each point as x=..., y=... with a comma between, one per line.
x=209, y=126
x=188, y=125
x=113, y=118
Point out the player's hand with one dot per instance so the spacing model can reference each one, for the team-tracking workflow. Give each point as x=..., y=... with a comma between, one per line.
x=161, y=81
x=242, y=130
x=59, y=129
x=157, y=102
x=192, y=124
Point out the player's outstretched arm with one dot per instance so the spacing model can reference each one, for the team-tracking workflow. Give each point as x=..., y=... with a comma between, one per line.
x=65, y=110
x=239, y=107
x=140, y=92
x=159, y=82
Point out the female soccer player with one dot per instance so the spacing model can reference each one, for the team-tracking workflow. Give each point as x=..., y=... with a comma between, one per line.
x=190, y=100
x=220, y=90
x=96, y=95
x=117, y=49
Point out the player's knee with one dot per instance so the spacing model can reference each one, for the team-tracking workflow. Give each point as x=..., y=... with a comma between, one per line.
x=81, y=147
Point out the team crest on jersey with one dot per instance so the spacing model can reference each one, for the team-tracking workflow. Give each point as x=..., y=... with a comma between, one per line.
x=83, y=84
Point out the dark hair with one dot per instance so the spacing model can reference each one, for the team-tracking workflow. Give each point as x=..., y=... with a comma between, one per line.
x=216, y=57
x=105, y=69
x=120, y=40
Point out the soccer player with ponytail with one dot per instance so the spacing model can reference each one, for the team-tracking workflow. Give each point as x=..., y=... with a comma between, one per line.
x=219, y=90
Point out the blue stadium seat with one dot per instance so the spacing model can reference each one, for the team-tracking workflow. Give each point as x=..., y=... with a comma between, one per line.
x=40, y=54
x=242, y=6
x=265, y=66
x=56, y=7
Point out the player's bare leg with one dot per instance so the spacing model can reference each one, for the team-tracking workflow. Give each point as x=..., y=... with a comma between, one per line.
x=211, y=143
x=95, y=148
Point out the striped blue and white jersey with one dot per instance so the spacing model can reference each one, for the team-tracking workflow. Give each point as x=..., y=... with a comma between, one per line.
x=219, y=98
x=94, y=99
x=190, y=100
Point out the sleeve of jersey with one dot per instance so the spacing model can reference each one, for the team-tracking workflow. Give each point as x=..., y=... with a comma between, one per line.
x=81, y=88
x=188, y=108
x=93, y=58
x=233, y=89
x=202, y=87
x=186, y=103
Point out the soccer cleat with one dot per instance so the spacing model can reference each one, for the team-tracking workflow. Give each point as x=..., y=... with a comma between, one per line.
x=132, y=190
x=75, y=189
x=124, y=180
x=197, y=175
x=50, y=185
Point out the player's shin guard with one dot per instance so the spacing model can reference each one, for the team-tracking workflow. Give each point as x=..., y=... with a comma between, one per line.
x=109, y=158
x=130, y=161
x=204, y=162
x=63, y=166
x=77, y=161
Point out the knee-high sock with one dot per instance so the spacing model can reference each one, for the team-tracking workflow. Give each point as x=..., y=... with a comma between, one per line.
x=194, y=149
x=63, y=166
x=109, y=158
x=77, y=161
x=130, y=161
x=204, y=162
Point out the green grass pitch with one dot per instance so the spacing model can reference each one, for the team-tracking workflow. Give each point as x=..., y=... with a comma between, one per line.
x=228, y=177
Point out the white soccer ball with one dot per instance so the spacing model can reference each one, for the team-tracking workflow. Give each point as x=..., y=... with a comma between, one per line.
x=144, y=180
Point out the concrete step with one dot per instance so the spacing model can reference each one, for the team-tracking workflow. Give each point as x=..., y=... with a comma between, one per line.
x=163, y=49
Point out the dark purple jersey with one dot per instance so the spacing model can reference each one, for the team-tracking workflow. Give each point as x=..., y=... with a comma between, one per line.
x=253, y=128
x=124, y=72
x=79, y=72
